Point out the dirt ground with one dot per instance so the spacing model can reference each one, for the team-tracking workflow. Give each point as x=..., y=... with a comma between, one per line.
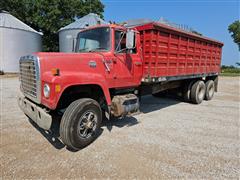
x=169, y=139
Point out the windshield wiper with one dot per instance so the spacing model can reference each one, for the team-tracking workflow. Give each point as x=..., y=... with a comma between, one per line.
x=91, y=50
x=84, y=49
x=99, y=48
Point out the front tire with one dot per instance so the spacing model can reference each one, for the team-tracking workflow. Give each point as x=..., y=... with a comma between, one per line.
x=80, y=123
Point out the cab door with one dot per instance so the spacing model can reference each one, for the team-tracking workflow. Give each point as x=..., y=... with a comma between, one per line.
x=127, y=63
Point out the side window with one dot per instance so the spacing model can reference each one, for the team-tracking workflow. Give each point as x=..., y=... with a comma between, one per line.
x=120, y=42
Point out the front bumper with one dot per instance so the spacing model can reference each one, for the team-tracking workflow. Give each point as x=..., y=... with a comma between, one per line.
x=35, y=112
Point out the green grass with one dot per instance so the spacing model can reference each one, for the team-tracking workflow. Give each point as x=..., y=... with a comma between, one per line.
x=229, y=74
x=230, y=71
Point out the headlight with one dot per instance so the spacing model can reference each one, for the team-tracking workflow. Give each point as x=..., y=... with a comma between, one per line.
x=46, y=91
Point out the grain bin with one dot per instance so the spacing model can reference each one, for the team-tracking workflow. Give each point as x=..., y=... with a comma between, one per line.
x=16, y=39
x=68, y=34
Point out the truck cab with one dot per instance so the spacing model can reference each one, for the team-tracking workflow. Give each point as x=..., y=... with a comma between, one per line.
x=121, y=59
x=100, y=76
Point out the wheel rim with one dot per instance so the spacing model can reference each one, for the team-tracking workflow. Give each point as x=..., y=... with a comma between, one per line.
x=211, y=91
x=87, y=124
x=201, y=93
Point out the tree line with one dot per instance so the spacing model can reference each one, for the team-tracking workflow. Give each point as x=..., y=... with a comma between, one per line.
x=48, y=16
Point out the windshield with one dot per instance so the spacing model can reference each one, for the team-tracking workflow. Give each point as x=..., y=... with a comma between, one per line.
x=94, y=40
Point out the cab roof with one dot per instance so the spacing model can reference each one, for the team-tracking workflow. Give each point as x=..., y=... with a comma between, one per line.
x=114, y=26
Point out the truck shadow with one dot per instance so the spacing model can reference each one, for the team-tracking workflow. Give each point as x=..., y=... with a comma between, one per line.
x=51, y=136
x=119, y=122
x=148, y=104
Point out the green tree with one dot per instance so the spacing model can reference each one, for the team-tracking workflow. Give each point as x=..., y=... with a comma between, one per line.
x=234, y=29
x=48, y=16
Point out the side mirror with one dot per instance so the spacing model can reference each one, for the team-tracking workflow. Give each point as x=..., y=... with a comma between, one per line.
x=130, y=39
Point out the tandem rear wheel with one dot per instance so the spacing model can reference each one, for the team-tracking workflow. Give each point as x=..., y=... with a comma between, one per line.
x=80, y=124
x=210, y=88
x=197, y=91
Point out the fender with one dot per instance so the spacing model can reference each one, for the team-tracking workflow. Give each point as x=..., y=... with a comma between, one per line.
x=67, y=79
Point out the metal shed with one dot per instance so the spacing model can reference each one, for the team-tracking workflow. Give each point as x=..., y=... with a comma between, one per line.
x=16, y=39
x=68, y=34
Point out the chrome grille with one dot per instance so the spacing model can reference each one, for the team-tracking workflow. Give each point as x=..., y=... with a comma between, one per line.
x=29, y=77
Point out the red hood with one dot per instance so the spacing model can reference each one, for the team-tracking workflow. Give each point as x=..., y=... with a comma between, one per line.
x=67, y=61
x=74, y=69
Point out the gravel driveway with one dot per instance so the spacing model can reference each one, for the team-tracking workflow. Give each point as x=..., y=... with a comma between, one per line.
x=169, y=139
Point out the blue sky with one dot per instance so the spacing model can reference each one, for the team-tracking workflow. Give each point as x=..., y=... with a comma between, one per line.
x=209, y=17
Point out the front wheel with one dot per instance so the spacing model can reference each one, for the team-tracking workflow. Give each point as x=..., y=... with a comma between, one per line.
x=80, y=123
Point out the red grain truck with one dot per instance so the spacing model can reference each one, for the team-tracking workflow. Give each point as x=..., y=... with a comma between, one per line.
x=113, y=66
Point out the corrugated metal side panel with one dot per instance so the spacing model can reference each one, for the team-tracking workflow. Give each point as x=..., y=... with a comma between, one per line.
x=15, y=43
x=168, y=53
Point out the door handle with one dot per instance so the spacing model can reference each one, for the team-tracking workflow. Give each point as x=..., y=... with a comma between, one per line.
x=114, y=61
x=106, y=65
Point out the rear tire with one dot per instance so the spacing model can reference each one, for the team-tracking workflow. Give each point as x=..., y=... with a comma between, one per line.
x=198, y=92
x=210, y=88
x=80, y=123
x=187, y=91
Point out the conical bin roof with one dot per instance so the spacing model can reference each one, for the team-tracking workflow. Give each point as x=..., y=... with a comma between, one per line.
x=88, y=20
x=9, y=21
